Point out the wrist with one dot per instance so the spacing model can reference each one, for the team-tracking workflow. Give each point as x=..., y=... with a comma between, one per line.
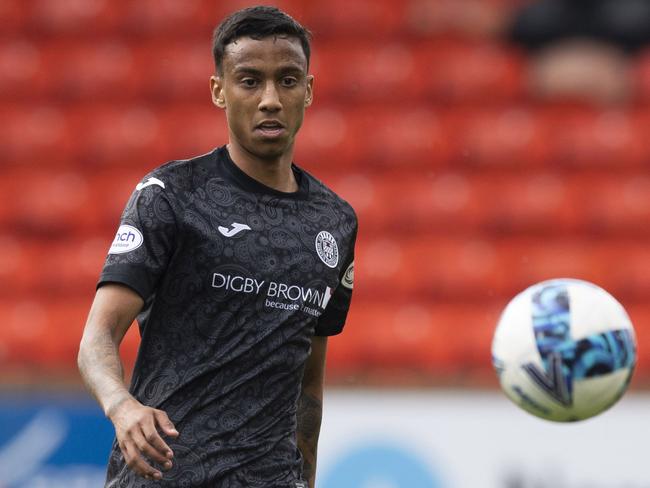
x=112, y=407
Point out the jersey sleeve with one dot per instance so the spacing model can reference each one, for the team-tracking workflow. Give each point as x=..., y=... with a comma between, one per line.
x=144, y=242
x=332, y=321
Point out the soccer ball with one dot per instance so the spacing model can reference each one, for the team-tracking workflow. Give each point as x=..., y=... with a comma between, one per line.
x=564, y=350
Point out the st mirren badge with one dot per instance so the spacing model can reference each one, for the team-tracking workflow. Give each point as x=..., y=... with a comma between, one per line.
x=327, y=249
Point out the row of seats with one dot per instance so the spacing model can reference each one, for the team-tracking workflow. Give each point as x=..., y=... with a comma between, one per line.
x=390, y=266
x=172, y=17
x=443, y=70
x=90, y=136
x=434, y=339
x=543, y=203
x=439, y=70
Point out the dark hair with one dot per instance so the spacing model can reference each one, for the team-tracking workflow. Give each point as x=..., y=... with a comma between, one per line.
x=257, y=23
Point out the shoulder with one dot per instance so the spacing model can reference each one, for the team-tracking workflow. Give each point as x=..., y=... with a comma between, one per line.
x=321, y=191
x=169, y=184
x=178, y=174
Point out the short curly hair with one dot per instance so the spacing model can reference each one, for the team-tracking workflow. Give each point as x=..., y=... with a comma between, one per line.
x=257, y=23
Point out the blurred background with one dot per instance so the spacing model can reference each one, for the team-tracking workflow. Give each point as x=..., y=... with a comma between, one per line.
x=485, y=144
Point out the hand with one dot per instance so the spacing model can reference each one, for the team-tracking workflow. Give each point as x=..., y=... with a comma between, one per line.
x=136, y=429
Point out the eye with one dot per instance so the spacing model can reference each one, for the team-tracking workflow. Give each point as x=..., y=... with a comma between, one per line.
x=289, y=81
x=249, y=82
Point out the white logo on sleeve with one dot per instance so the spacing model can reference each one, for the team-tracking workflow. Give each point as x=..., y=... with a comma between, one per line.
x=149, y=182
x=348, y=277
x=127, y=239
x=236, y=229
x=327, y=249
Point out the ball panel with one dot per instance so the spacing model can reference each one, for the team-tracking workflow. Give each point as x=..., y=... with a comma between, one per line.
x=593, y=311
x=514, y=338
x=564, y=350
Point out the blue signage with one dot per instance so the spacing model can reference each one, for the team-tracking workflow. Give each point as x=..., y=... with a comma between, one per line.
x=380, y=464
x=50, y=442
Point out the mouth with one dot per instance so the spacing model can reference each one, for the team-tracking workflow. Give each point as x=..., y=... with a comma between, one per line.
x=270, y=128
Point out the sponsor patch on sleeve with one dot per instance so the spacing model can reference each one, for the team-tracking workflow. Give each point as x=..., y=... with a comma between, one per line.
x=127, y=239
x=348, y=277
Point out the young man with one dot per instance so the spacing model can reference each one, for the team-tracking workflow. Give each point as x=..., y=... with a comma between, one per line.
x=238, y=265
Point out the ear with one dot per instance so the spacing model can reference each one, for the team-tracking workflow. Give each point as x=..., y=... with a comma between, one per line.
x=309, y=93
x=216, y=89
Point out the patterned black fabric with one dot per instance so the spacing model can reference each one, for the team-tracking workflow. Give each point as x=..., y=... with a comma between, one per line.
x=236, y=278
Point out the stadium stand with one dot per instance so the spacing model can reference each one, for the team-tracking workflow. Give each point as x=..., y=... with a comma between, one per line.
x=468, y=189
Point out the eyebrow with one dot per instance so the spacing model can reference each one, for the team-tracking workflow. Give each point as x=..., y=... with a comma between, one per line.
x=288, y=69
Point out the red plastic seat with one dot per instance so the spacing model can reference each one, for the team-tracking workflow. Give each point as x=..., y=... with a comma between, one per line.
x=508, y=137
x=14, y=15
x=116, y=135
x=382, y=72
x=42, y=336
x=326, y=140
x=438, y=340
x=470, y=72
x=178, y=70
x=361, y=18
x=399, y=138
x=45, y=203
x=74, y=16
x=192, y=129
x=34, y=134
x=97, y=70
x=21, y=69
x=592, y=138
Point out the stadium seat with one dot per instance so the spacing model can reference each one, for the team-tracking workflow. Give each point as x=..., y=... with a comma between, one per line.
x=115, y=135
x=21, y=69
x=587, y=137
x=44, y=203
x=466, y=268
x=175, y=70
x=507, y=137
x=470, y=72
x=34, y=133
x=73, y=17
x=191, y=129
x=14, y=16
x=385, y=73
x=464, y=19
x=106, y=69
x=385, y=137
x=360, y=19
x=423, y=338
x=42, y=336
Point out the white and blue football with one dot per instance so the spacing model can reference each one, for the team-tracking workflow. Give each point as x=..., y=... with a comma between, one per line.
x=564, y=350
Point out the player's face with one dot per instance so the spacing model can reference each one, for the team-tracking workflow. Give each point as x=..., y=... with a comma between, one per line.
x=264, y=89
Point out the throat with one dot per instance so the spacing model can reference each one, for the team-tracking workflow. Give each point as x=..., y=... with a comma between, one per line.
x=276, y=173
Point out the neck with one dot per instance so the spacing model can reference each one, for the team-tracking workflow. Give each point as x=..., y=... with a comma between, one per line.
x=275, y=172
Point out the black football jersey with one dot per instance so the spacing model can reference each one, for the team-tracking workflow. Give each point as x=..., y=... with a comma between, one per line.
x=236, y=277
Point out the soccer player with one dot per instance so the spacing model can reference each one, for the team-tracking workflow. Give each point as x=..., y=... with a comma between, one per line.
x=238, y=265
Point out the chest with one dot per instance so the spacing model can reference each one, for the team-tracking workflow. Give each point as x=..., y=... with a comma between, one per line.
x=281, y=255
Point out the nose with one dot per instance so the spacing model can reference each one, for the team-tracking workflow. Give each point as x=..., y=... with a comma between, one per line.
x=270, y=101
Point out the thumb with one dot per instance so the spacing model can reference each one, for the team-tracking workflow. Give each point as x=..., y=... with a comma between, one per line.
x=165, y=424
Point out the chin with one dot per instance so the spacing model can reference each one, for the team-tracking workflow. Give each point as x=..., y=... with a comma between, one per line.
x=270, y=149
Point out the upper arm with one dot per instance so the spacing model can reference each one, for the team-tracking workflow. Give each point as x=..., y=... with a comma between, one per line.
x=315, y=367
x=113, y=311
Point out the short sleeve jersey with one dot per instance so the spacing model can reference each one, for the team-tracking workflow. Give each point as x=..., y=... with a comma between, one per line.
x=236, y=278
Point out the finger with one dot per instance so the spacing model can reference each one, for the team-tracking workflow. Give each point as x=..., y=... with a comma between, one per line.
x=165, y=424
x=135, y=461
x=153, y=438
x=148, y=450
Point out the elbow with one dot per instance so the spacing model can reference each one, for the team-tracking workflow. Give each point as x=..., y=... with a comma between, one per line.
x=80, y=356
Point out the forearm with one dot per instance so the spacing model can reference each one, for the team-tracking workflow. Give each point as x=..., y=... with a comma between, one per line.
x=101, y=369
x=310, y=409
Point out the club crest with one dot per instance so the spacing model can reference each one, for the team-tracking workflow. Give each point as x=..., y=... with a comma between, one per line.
x=327, y=249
